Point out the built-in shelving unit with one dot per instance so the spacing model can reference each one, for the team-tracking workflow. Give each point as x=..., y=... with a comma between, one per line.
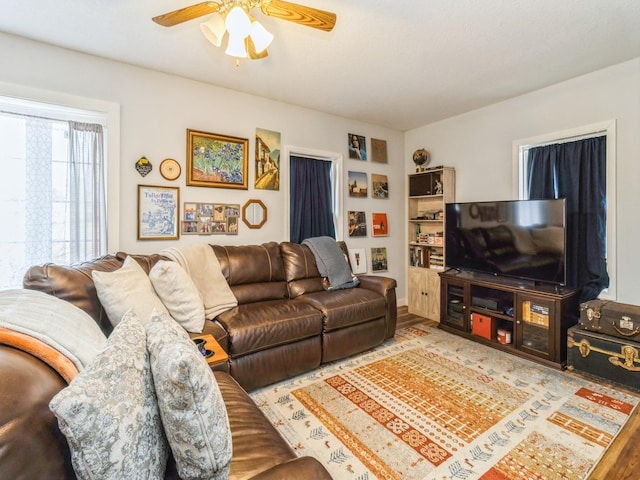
x=429, y=191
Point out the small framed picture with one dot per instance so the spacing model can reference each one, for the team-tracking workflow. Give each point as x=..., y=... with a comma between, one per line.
x=357, y=224
x=379, y=259
x=189, y=226
x=357, y=184
x=380, y=224
x=267, y=164
x=190, y=211
x=358, y=260
x=357, y=147
x=378, y=150
x=217, y=160
x=379, y=186
x=158, y=212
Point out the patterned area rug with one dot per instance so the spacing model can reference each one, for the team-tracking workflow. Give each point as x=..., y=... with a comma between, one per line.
x=431, y=405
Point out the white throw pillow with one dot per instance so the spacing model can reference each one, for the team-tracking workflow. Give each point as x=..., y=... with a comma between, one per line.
x=179, y=294
x=53, y=321
x=127, y=288
x=109, y=412
x=191, y=405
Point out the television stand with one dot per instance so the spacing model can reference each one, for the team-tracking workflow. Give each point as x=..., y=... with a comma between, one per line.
x=526, y=319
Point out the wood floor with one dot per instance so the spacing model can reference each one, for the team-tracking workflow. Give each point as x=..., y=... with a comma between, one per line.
x=622, y=459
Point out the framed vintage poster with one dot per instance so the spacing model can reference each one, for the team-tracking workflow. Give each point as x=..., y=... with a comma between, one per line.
x=357, y=224
x=358, y=260
x=217, y=160
x=379, y=186
x=357, y=147
x=378, y=150
x=379, y=259
x=380, y=224
x=357, y=184
x=158, y=212
x=267, y=160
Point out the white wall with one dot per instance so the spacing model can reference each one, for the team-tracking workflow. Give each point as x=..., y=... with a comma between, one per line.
x=155, y=111
x=479, y=145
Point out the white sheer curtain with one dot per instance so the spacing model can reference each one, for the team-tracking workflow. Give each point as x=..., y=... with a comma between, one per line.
x=52, y=194
x=87, y=192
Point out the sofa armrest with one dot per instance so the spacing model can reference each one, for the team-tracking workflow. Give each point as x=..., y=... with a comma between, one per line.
x=300, y=467
x=386, y=287
x=379, y=284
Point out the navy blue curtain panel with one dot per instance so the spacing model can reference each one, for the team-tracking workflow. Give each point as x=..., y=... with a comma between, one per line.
x=311, y=199
x=577, y=171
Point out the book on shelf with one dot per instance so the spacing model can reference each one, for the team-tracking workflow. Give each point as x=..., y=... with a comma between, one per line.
x=419, y=256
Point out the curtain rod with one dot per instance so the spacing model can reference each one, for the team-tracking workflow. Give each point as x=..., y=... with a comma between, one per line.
x=571, y=138
x=40, y=117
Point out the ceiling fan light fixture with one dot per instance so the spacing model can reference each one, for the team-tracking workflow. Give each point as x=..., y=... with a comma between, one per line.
x=235, y=46
x=238, y=22
x=214, y=29
x=260, y=36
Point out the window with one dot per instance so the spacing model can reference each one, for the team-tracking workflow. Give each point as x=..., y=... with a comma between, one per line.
x=554, y=172
x=53, y=187
x=335, y=200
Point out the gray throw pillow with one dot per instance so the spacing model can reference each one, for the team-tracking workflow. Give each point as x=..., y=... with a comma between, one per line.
x=109, y=413
x=191, y=405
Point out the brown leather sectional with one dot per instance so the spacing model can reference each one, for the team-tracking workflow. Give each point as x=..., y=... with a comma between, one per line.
x=285, y=324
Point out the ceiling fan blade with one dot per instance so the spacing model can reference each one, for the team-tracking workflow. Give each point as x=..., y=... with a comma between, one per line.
x=187, y=13
x=251, y=50
x=310, y=17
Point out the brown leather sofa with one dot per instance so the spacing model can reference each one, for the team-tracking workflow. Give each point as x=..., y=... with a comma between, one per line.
x=33, y=448
x=285, y=324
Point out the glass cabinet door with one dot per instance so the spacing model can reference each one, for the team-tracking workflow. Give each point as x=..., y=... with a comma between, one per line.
x=453, y=310
x=534, y=316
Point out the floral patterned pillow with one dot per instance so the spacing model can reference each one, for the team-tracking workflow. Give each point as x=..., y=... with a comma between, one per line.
x=191, y=405
x=109, y=413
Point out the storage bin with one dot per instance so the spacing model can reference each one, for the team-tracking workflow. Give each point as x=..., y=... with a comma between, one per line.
x=482, y=325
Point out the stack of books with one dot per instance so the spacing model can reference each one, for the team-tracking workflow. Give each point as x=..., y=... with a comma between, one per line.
x=436, y=260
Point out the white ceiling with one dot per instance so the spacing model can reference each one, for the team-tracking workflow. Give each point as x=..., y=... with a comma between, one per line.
x=395, y=63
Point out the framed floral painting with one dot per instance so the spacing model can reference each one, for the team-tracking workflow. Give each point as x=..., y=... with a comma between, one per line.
x=217, y=160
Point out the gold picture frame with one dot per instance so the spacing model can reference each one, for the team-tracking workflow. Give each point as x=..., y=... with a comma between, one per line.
x=215, y=160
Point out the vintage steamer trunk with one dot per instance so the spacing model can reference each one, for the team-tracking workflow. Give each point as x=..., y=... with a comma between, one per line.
x=611, y=318
x=612, y=359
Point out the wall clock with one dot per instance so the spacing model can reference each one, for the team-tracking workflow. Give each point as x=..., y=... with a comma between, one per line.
x=170, y=169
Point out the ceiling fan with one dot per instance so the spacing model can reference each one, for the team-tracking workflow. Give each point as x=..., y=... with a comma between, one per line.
x=247, y=37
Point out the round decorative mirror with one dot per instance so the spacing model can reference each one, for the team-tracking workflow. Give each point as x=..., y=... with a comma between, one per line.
x=254, y=213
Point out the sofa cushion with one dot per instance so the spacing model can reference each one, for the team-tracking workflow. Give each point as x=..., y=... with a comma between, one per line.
x=259, y=326
x=300, y=269
x=109, y=413
x=257, y=445
x=344, y=308
x=192, y=409
x=127, y=288
x=31, y=446
x=254, y=272
x=74, y=284
x=179, y=295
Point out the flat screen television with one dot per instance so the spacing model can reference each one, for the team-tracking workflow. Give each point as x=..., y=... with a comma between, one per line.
x=524, y=239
